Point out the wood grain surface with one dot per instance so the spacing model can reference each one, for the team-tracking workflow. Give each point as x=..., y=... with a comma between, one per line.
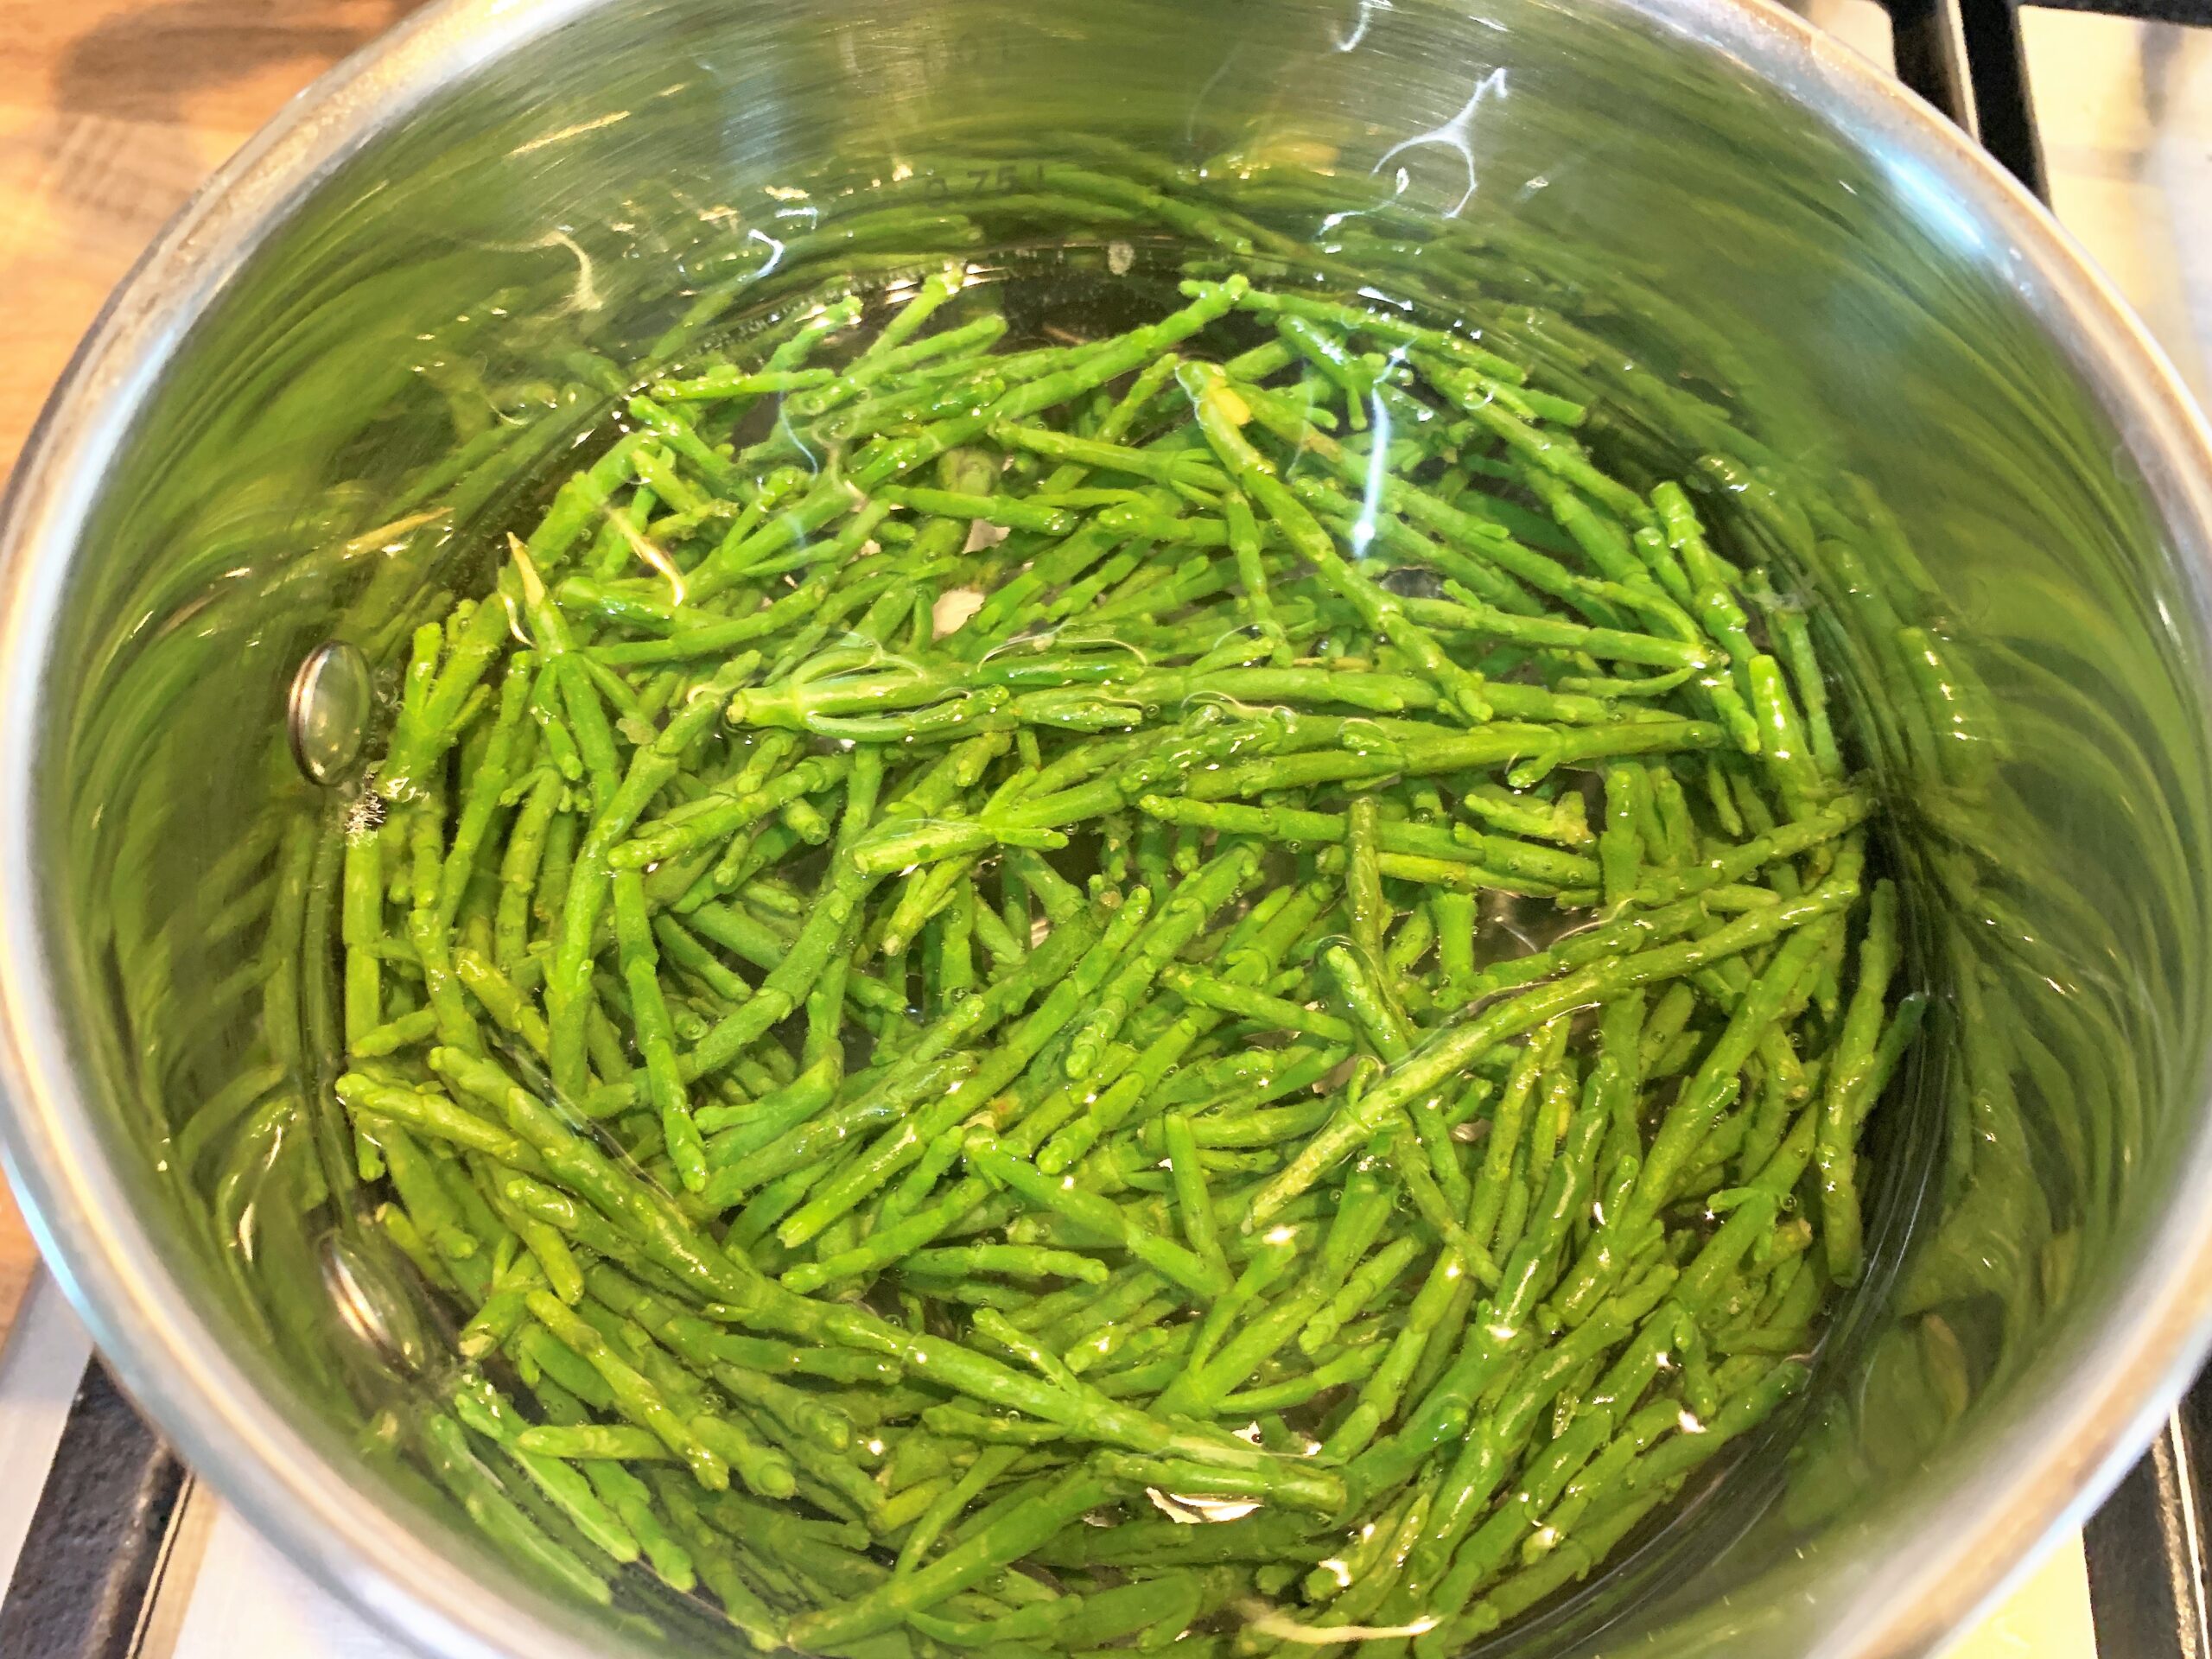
x=112, y=113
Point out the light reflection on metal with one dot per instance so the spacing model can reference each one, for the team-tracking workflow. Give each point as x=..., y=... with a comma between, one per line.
x=1457, y=134
x=327, y=715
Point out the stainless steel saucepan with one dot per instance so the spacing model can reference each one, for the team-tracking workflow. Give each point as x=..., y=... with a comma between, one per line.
x=361, y=345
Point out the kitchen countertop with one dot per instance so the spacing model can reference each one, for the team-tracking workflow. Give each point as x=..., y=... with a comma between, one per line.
x=16, y=1259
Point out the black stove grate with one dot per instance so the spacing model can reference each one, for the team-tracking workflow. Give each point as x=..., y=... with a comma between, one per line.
x=104, y=1521
x=1966, y=57
x=2150, y=1583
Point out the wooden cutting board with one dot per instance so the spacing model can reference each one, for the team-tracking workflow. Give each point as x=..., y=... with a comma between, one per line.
x=112, y=112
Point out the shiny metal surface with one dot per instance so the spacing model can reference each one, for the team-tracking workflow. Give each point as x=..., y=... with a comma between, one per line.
x=327, y=713
x=2012, y=556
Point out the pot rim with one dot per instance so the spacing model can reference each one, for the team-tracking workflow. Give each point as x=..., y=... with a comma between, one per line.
x=2049, y=1467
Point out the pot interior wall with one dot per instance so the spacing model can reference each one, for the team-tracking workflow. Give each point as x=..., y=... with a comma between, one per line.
x=2019, y=637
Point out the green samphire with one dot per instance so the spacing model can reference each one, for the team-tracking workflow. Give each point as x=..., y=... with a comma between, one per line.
x=1027, y=924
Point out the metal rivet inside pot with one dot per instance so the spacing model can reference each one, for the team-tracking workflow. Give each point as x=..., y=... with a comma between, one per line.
x=327, y=716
